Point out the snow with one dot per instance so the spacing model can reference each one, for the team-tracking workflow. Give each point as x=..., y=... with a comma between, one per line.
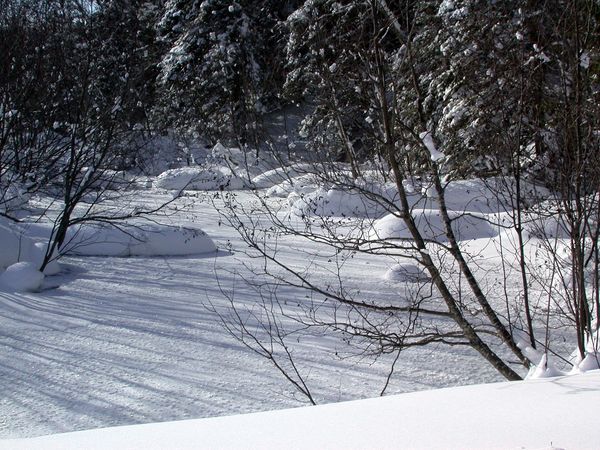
x=339, y=202
x=429, y=223
x=119, y=341
x=427, y=139
x=492, y=416
x=279, y=175
x=21, y=277
x=584, y=60
x=198, y=178
x=18, y=246
x=137, y=240
x=406, y=272
x=109, y=342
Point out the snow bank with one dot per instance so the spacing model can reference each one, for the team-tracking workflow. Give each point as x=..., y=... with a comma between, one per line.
x=364, y=201
x=198, y=179
x=298, y=186
x=114, y=180
x=429, y=223
x=281, y=175
x=558, y=413
x=137, y=240
x=485, y=196
x=22, y=277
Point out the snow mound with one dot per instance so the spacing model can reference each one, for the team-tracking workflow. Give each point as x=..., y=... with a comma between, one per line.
x=590, y=362
x=198, y=179
x=363, y=201
x=410, y=273
x=485, y=196
x=547, y=228
x=22, y=277
x=429, y=223
x=113, y=180
x=137, y=240
x=298, y=186
x=13, y=245
x=37, y=254
x=280, y=175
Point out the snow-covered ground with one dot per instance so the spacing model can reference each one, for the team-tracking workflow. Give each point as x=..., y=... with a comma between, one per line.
x=115, y=341
x=556, y=413
x=127, y=330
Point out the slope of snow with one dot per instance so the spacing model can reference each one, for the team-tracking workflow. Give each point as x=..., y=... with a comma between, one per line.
x=518, y=415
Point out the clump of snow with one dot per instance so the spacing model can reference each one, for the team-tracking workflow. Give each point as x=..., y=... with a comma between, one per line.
x=22, y=277
x=37, y=254
x=298, y=186
x=431, y=227
x=410, y=273
x=546, y=227
x=427, y=139
x=198, y=179
x=364, y=200
x=12, y=245
x=244, y=162
x=590, y=362
x=137, y=240
x=544, y=370
x=16, y=245
x=584, y=60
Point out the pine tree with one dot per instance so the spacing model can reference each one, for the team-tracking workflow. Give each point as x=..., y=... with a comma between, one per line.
x=220, y=72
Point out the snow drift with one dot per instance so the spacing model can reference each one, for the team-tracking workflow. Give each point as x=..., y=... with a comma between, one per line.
x=489, y=416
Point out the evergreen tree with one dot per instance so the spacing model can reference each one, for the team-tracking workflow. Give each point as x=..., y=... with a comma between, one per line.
x=221, y=70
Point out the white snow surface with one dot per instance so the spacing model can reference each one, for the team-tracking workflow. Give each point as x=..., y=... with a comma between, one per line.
x=198, y=178
x=21, y=276
x=431, y=226
x=120, y=341
x=137, y=240
x=534, y=414
x=406, y=272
